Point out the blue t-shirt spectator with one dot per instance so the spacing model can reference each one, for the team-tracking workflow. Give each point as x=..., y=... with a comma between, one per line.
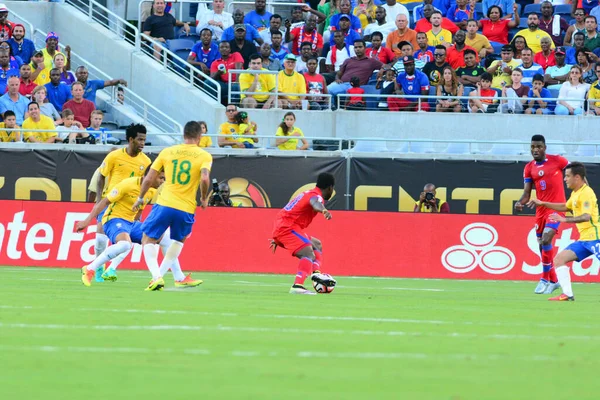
x=251, y=34
x=19, y=107
x=58, y=95
x=259, y=22
x=90, y=89
x=355, y=24
x=24, y=50
x=283, y=51
x=544, y=95
x=349, y=40
x=442, y=5
x=15, y=62
x=455, y=14
x=4, y=75
x=529, y=73
x=413, y=84
x=205, y=58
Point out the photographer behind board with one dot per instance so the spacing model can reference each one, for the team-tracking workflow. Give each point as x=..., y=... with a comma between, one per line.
x=428, y=203
x=220, y=195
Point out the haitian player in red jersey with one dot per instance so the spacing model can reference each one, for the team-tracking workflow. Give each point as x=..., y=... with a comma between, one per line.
x=546, y=172
x=288, y=233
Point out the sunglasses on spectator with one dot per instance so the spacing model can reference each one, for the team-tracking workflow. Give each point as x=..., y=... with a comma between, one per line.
x=230, y=110
x=579, y=14
x=439, y=54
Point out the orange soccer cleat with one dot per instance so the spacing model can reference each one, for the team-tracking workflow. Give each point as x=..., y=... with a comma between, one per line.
x=562, y=297
x=188, y=282
x=87, y=276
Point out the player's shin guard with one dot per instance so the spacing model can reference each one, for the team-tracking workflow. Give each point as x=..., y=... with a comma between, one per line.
x=111, y=252
x=564, y=278
x=549, y=273
x=171, y=260
x=100, y=244
x=151, y=257
x=318, y=263
x=304, y=270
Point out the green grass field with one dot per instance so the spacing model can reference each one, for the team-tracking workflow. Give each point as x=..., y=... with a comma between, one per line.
x=241, y=336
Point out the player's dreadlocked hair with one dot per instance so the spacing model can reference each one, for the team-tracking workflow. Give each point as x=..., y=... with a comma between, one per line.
x=325, y=180
x=538, y=138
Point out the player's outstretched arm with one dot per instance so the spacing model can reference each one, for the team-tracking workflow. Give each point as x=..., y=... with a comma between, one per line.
x=525, y=197
x=204, y=187
x=319, y=207
x=98, y=207
x=571, y=220
x=146, y=183
x=100, y=187
x=553, y=206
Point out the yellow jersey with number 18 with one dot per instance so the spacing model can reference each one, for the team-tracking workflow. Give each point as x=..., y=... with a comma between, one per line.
x=182, y=164
x=123, y=196
x=584, y=201
x=118, y=165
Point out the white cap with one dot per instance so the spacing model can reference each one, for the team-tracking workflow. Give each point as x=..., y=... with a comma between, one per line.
x=3, y=7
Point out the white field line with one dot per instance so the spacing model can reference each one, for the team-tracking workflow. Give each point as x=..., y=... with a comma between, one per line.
x=258, y=329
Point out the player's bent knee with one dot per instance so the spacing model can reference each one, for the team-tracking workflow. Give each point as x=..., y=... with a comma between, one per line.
x=306, y=252
x=316, y=243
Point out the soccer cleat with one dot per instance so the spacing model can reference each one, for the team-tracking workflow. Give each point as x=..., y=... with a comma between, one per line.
x=562, y=297
x=298, y=289
x=188, y=282
x=323, y=279
x=551, y=287
x=110, y=275
x=155, y=284
x=87, y=276
x=541, y=287
x=99, y=273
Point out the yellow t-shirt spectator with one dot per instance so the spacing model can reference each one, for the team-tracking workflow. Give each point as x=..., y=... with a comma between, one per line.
x=44, y=123
x=233, y=130
x=205, y=141
x=594, y=93
x=534, y=38
x=294, y=83
x=49, y=60
x=6, y=137
x=501, y=76
x=444, y=36
x=291, y=144
x=364, y=18
x=243, y=128
x=43, y=77
x=478, y=43
x=266, y=84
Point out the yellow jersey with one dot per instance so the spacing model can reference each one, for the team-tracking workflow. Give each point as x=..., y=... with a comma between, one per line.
x=594, y=93
x=205, y=141
x=291, y=144
x=234, y=131
x=266, y=84
x=118, y=165
x=443, y=36
x=43, y=77
x=43, y=123
x=242, y=129
x=478, y=43
x=584, y=201
x=123, y=196
x=294, y=83
x=534, y=38
x=8, y=136
x=182, y=164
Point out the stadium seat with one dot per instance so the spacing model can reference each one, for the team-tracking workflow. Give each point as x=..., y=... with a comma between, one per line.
x=586, y=151
x=421, y=147
x=556, y=148
x=497, y=46
x=478, y=9
x=458, y=148
x=369, y=146
x=505, y=149
x=523, y=24
x=410, y=6
x=397, y=147
x=562, y=9
x=529, y=8
x=180, y=44
x=193, y=37
x=432, y=102
x=466, y=91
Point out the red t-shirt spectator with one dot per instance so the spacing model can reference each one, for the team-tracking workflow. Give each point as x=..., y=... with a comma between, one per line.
x=382, y=54
x=302, y=36
x=26, y=88
x=489, y=95
x=456, y=58
x=356, y=99
x=423, y=25
x=495, y=31
x=314, y=83
x=6, y=31
x=544, y=61
x=233, y=59
x=81, y=110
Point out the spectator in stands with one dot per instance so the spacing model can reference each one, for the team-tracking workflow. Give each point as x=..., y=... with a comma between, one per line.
x=425, y=25
x=259, y=18
x=437, y=34
x=450, y=88
x=587, y=68
x=593, y=94
x=356, y=101
x=259, y=83
x=14, y=101
x=27, y=85
x=247, y=130
x=578, y=43
x=125, y=108
x=205, y=140
x=315, y=85
x=6, y=27
x=327, y=8
x=557, y=74
x=393, y=9
x=66, y=76
x=68, y=131
x=412, y=82
x=350, y=35
x=378, y=51
x=533, y=34
x=480, y=43
x=6, y=70
x=242, y=46
x=95, y=129
x=428, y=203
x=418, y=10
x=578, y=26
x=515, y=90
x=528, y=67
x=229, y=130
x=40, y=74
x=219, y=68
x=406, y=49
x=501, y=70
x=339, y=53
x=360, y=65
x=495, y=28
x=81, y=107
x=216, y=19
x=471, y=73
x=21, y=46
x=540, y=95
x=346, y=11
x=381, y=24
x=46, y=108
x=290, y=82
x=483, y=97
x=461, y=12
x=306, y=33
x=386, y=84
x=278, y=50
x=574, y=88
x=425, y=52
x=592, y=38
x=58, y=93
x=91, y=86
x=554, y=25
x=252, y=34
x=505, y=6
x=545, y=58
x=10, y=122
x=160, y=27
x=290, y=134
x=455, y=54
x=403, y=33
x=518, y=44
x=38, y=121
x=269, y=62
x=433, y=70
x=306, y=53
x=204, y=52
x=275, y=23
x=52, y=50
x=365, y=11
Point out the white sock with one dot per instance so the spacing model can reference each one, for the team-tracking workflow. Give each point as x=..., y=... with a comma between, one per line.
x=564, y=278
x=151, y=257
x=170, y=260
x=119, y=259
x=100, y=243
x=165, y=243
x=111, y=252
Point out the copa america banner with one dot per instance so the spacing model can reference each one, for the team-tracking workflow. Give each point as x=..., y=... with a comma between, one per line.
x=354, y=243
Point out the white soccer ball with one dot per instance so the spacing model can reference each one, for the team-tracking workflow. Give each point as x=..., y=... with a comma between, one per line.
x=321, y=288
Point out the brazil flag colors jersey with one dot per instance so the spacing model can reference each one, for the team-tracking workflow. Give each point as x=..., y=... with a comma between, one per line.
x=118, y=165
x=584, y=201
x=182, y=164
x=123, y=196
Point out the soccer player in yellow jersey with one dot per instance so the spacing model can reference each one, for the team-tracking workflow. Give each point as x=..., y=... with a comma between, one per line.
x=120, y=164
x=186, y=168
x=584, y=206
x=118, y=221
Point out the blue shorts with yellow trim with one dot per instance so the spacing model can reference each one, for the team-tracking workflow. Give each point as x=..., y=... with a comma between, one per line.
x=584, y=249
x=136, y=232
x=162, y=217
x=99, y=217
x=114, y=227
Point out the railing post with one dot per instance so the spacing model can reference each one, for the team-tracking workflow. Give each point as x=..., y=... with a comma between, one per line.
x=90, y=11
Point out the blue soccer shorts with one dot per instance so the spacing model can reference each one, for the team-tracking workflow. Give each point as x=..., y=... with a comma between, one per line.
x=162, y=217
x=136, y=232
x=584, y=249
x=114, y=227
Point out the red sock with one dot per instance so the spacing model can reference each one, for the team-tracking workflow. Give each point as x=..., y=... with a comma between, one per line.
x=304, y=269
x=547, y=257
x=318, y=263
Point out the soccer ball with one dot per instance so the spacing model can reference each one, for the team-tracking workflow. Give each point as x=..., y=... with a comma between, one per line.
x=321, y=288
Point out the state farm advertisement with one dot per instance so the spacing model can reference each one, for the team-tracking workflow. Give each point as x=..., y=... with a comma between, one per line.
x=354, y=243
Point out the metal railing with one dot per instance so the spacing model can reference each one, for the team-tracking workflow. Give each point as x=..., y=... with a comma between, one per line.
x=103, y=133
x=14, y=17
x=231, y=6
